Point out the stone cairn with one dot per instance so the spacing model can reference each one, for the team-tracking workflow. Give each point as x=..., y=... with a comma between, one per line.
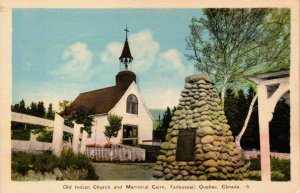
x=215, y=155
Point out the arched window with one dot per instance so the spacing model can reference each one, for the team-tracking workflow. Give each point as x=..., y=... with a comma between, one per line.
x=132, y=104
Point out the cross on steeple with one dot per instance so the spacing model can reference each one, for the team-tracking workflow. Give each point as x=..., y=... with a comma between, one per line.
x=126, y=30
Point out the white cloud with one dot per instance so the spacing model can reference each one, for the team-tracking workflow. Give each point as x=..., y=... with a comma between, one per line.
x=167, y=80
x=144, y=50
x=161, y=97
x=111, y=54
x=78, y=63
x=171, y=61
x=143, y=47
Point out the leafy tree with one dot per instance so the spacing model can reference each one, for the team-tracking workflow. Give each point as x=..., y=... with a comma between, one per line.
x=81, y=115
x=64, y=105
x=228, y=43
x=115, y=123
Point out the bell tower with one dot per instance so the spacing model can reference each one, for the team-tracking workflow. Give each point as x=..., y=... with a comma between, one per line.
x=126, y=58
x=125, y=77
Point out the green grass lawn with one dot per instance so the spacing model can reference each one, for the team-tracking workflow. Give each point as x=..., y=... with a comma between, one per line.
x=124, y=171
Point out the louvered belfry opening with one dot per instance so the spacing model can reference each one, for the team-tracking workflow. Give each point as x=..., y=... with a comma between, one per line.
x=199, y=144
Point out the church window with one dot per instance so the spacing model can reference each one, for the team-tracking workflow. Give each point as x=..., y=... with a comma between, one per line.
x=132, y=104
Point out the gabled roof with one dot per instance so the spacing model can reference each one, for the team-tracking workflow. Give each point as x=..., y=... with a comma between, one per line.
x=101, y=100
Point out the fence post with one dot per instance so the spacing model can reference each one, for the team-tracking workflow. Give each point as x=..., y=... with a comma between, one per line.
x=75, y=141
x=83, y=142
x=57, y=135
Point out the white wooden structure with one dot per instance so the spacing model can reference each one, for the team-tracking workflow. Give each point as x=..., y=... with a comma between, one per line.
x=143, y=121
x=118, y=152
x=270, y=88
x=57, y=140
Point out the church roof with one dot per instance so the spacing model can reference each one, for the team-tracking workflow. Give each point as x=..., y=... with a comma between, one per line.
x=101, y=100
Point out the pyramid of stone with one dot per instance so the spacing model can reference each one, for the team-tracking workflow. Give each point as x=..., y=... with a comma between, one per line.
x=199, y=144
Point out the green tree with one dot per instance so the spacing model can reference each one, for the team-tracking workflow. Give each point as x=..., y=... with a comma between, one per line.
x=64, y=105
x=280, y=128
x=22, y=106
x=41, y=111
x=115, y=123
x=83, y=116
x=232, y=110
x=33, y=109
x=50, y=113
x=228, y=43
x=236, y=108
x=162, y=129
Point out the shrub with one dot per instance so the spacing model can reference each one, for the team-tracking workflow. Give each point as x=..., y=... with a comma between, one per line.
x=283, y=166
x=254, y=164
x=46, y=162
x=21, y=162
x=280, y=169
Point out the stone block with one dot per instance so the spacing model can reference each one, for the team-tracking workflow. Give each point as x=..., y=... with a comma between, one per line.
x=158, y=174
x=207, y=139
x=211, y=169
x=202, y=178
x=169, y=176
x=210, y=163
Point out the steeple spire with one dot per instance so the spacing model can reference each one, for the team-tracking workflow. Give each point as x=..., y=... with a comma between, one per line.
x=126, y=57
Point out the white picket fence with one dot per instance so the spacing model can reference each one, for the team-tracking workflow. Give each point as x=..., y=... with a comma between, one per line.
x=255, y=154
x=118, y=152
x=57, y=141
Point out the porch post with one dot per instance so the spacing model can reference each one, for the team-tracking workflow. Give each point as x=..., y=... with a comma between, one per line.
x=264, y=114
x=57, y=135
x=83, y=142
x=75, y=141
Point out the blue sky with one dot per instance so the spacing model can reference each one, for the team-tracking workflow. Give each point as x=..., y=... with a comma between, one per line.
x=58, y=53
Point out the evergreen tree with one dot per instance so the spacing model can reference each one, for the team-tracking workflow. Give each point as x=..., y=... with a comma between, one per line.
x=22, y=106
x=161, y=130
x=50, y=113
x=231, y=110
x=41, y=111
x=33, y=110
x=280, y=128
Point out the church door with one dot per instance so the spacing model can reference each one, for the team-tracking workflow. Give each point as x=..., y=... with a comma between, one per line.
x=130, y=135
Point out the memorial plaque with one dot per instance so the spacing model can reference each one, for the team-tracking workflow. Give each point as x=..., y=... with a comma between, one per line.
x=186, y=145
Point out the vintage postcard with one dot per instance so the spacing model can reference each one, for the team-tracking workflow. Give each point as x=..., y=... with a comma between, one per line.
x=149, y=96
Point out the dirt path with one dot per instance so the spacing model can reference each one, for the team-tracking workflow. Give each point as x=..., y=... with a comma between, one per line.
x=124, y=171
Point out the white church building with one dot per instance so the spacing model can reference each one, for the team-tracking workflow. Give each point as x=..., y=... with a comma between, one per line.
x=125, y=100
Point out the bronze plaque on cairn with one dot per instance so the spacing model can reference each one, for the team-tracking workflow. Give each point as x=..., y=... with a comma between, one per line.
x=186, y=145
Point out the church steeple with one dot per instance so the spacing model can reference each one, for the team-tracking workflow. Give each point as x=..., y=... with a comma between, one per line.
x=126, y=57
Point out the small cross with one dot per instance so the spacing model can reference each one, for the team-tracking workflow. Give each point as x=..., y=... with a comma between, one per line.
x=126, y=31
